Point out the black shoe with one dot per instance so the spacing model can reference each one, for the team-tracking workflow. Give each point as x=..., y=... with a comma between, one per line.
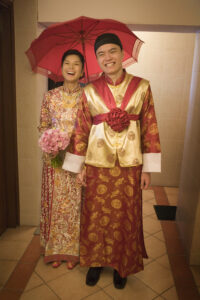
x=93, y=275
x=118, y=281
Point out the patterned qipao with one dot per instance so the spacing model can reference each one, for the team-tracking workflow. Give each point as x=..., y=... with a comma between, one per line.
x=111, y=221
x=61, y=196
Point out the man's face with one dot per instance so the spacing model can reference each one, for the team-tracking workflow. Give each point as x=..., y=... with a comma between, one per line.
x=109, y=57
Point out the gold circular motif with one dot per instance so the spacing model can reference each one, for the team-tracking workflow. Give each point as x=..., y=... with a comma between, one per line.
x=111, y=158
x=116, y=203
x=119, y=99
x=89, y=155
x=100, y=143
x=104, y=221
x=131, y=135
x=92, y=237
x=101, y=189
x=80, y=146
x=115, y=171
x=121, y=152
x=108, y=250
x=83, y=250
x=136, y=161
x=128, y=190
x=117, y=235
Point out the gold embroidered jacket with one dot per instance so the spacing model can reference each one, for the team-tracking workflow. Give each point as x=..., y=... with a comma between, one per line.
x=101, y=145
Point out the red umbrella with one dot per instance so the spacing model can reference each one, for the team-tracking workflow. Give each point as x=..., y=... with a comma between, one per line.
x=46, y=51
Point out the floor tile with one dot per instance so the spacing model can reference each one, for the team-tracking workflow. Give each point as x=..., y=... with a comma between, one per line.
x=12, y=250
x=148, y=209
x=21, y=233
x=147, y=261
x=151, y=225
x=170, y=294
x=160, y=236
x=172, y=195
x=147, y=195
x=135, y=289
x=160, y=195
x=42, y=292
x=164, y=261
x=155, y=248
x=146, y=234
x=99, y=296
x=72, y=286
x=6, y=268
x=19, y=277
x=157, y=277
x=34, y=282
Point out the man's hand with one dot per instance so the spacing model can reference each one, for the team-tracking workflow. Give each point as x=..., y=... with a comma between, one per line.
x=81, y=177
x=145, y=180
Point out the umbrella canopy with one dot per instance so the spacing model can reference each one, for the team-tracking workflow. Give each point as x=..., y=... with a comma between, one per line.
x=46, y=51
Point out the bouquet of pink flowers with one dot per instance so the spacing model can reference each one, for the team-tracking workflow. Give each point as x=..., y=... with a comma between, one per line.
x=52, y=141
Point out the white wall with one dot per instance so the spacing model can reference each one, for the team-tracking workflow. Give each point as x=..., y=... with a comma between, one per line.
x=171, y=12
x=166, y=61
x=29, y=93
x=188, y=214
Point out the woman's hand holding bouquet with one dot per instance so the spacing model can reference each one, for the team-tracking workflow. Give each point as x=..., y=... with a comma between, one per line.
x=52, y=141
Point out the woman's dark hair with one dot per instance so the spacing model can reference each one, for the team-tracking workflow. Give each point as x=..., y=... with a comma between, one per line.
x=73, y=52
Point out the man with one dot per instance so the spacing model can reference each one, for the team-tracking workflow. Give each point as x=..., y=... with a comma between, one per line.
x=117, y=138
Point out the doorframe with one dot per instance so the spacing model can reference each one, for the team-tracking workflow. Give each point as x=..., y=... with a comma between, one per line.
x=9, y=122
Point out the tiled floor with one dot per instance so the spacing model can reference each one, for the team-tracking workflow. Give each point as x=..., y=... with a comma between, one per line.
x=23, y=275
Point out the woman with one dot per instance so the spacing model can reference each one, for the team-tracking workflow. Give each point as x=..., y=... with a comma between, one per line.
x=61, y=195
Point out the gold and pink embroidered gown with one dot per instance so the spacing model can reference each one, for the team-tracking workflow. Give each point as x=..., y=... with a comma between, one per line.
x=61, y=195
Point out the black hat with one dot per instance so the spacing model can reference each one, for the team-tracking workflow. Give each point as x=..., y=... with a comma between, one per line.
x=107, y=38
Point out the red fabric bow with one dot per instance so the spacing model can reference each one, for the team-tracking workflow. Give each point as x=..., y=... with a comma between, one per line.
x=118, y=119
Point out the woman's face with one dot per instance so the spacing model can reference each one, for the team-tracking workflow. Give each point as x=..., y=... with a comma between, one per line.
x=72, y=68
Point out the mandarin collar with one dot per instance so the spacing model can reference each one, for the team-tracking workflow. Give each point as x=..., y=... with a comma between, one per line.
x=119, y=80
x=76, y=89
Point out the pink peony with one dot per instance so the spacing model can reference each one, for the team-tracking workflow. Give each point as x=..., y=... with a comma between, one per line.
x=53, y=140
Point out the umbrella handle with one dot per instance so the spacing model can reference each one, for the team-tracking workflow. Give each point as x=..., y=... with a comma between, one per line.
x=83, y=47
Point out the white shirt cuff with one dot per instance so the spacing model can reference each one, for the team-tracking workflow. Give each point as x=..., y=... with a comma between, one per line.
x=73, y=162
x=151, y=162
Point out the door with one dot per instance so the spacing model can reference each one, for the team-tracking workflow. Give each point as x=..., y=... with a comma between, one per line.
x=9, y=195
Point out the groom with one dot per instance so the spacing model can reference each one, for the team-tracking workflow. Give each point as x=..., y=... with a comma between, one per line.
x=118, y=141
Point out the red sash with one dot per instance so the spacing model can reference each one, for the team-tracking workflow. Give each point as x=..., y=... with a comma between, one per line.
x=105, y=93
